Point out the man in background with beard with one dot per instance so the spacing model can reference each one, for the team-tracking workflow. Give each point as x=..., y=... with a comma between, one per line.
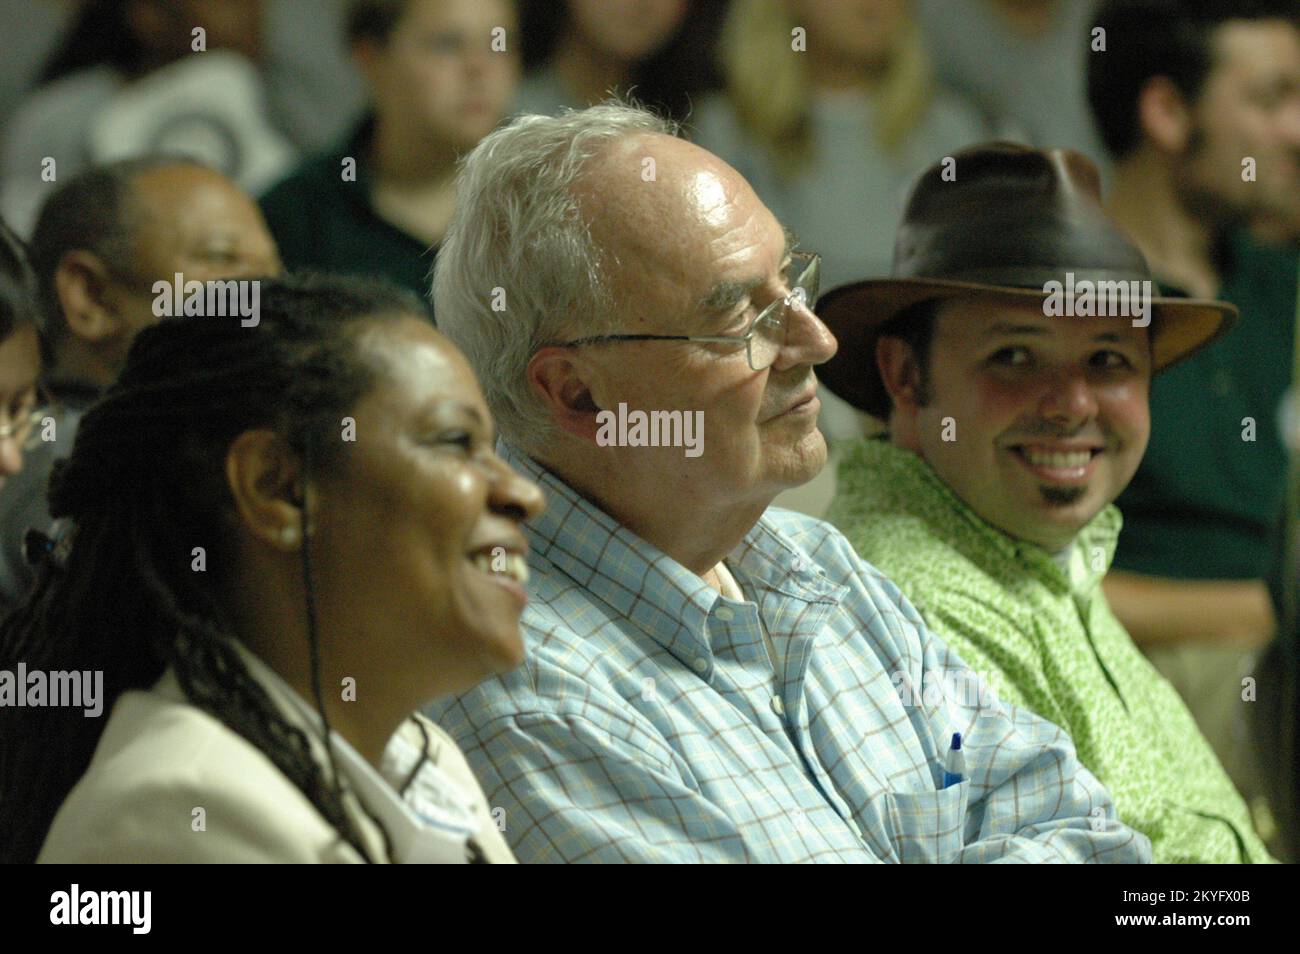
x=1198, y=103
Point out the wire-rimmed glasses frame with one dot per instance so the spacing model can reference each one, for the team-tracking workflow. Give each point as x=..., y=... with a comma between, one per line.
x=765, y=336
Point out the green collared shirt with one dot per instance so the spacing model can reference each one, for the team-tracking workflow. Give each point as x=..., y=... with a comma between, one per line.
x=1045, y=639
x=322, y=221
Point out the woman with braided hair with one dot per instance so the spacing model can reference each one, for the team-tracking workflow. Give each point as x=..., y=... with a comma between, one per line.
x=278, y=535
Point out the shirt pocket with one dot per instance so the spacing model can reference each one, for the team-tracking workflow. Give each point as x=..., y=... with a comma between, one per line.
x=916, y=827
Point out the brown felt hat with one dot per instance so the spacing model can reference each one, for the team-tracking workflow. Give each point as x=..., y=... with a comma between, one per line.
x=1001, y=220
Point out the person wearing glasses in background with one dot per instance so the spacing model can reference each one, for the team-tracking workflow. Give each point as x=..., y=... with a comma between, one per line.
x=706, y=679
x=102, y=240
x=20, y=355
x=440, y=74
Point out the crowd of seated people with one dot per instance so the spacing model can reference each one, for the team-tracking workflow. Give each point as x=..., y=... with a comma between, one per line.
x=326, y=482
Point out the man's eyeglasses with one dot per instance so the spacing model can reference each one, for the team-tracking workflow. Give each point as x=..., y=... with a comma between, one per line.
x=19, y=424
x=765, y=336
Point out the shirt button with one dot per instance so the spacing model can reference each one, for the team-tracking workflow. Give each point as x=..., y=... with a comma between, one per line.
x=778, y=706
x=797, y=565
x=701, y=664
x=725, y=613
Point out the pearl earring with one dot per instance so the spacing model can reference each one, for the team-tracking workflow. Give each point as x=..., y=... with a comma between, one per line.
x=289, y=536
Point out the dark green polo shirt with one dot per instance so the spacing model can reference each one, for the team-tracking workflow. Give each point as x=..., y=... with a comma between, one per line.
x=1206, y=498
x=324, y=222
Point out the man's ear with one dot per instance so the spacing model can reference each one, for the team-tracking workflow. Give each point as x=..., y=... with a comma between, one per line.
x=81, y=282
x=1163, y=115
x=265, y=478
x=563, y=381
x=901, y=375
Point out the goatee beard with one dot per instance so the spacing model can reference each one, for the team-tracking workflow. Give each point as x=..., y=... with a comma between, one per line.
x=1062, y=496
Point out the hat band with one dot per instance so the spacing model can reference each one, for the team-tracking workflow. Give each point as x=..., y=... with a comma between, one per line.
x=1032, y=278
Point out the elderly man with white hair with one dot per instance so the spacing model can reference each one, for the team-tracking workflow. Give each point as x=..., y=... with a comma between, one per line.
x=706, y=679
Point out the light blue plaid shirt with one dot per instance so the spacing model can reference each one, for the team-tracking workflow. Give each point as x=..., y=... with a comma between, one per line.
x=648, y=723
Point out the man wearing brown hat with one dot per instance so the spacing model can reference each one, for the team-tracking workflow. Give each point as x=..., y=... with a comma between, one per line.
x=1011, y=354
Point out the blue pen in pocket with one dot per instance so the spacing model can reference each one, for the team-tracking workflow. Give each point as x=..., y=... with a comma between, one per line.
x=954, y=766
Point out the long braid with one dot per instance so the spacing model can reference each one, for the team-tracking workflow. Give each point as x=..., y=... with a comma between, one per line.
x=215, y=679
x=313, y=644
x=144, y=485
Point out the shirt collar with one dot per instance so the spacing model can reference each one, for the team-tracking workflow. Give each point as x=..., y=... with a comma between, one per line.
x=1064, y=557
x=641, y=583
x=430, y=823
x=903, y=481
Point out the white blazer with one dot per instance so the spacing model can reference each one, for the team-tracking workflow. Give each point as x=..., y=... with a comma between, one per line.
x=170, y=783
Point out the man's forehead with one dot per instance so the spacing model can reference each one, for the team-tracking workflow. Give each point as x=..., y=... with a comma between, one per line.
x=186, y=193
x=678, y=224
x=673, y=157
x=659, y=182
x=173, y=183
x=1257, y=48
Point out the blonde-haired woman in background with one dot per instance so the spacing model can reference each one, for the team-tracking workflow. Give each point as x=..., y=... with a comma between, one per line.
x=829, y=109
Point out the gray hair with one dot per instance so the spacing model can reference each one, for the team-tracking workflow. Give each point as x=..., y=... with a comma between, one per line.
x=518, y=266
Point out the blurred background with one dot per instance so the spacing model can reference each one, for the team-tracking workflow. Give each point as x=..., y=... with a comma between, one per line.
x=344, y=119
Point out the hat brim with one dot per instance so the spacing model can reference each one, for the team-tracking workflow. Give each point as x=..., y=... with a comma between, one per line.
x=856, y=312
